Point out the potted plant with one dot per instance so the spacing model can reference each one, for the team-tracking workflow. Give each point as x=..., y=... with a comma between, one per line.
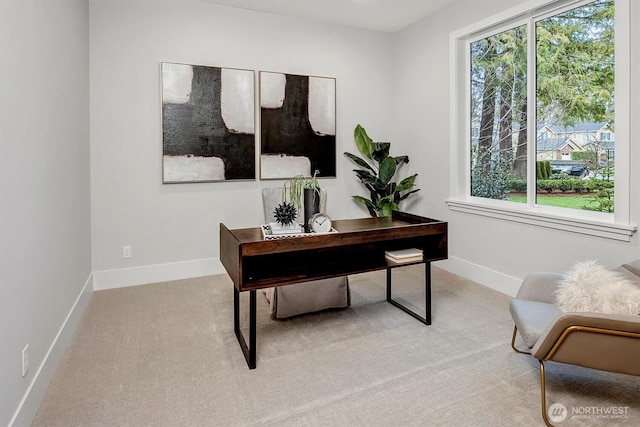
x=304, y=193
x=377, y=171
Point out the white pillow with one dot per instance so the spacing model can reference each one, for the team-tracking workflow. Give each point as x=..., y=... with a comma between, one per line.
x=590, y=287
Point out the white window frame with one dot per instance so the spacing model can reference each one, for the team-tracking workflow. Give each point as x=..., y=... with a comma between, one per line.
x=613, y=226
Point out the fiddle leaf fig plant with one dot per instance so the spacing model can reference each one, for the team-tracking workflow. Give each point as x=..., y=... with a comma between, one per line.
x=378, y=169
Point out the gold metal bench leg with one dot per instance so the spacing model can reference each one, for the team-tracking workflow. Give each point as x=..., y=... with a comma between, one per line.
x=513, y=342
x=543, y=396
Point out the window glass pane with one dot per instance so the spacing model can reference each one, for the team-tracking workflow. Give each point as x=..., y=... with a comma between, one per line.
x=499, y=116
x=575, y=108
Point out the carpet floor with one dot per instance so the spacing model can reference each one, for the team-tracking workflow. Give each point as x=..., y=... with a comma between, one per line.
x=165, y=354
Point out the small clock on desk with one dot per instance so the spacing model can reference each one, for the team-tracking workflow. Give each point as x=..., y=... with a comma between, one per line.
x=320, y=223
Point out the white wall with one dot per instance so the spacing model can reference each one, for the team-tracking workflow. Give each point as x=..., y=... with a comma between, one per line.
x=173, y=229
x=44, y=188
x=494, y=252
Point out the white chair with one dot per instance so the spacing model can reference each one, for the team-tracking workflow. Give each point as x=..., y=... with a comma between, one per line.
x=291, y=300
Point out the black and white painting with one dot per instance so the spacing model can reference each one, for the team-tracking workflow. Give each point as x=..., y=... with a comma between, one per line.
x=208, y=123
x=298, y=125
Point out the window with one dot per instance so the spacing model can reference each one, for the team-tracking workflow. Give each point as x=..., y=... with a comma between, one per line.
x=553, y=67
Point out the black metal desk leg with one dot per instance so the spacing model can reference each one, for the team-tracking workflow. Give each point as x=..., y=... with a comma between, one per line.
x=252, y=330
x=250, y=350
x=427, y=289
x=236, y=311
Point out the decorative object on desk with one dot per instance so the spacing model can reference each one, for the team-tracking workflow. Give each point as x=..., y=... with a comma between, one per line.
x=404, y=255
x=320, y=223
x=311, y=205
x=386, y=194
x=305, y=194
x=275, y=229
x=285, y=213
x=272, y=232
x=208, y=123
x=298, y=125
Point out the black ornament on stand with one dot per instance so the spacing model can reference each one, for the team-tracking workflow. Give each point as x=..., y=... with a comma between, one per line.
x=285, y=213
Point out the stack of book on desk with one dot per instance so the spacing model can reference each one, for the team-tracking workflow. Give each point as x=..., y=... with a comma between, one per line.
x=404, y=255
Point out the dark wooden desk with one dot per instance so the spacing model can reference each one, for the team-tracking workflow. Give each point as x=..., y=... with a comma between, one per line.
x=358, y=246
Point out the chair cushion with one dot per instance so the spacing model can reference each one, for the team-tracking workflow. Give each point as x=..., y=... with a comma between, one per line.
x=532, y=318
x=539, y=286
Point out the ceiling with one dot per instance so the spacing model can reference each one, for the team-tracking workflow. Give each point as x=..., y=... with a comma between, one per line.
x=380, y=15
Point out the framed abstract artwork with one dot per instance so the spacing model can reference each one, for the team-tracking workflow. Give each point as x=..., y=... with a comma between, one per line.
x=208, y=123
x=297, y=125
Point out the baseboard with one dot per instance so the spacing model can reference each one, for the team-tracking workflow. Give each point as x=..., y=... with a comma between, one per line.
x=492, y=279
x=28, y=407
x=123, y=277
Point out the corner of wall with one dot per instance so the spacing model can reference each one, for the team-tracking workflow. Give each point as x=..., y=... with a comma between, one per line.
x=492, y=279
x=123, y=277
x=30, y=403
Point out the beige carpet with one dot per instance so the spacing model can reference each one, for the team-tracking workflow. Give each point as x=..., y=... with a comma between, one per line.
x=165, y=355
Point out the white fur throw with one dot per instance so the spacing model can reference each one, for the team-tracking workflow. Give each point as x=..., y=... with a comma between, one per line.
x=590, y=287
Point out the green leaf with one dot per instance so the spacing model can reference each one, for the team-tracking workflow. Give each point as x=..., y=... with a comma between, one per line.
x=406, y=183
x=380, y=151
x=391, y=188
x=387, y=210
x=368, y=179
x=386, y=206
x=359, y=161
x=362, y=200
x=402, y=159
x=408, y=194
x=375, y=195
x=363, y=142
x=370, y=206
x=387, y=170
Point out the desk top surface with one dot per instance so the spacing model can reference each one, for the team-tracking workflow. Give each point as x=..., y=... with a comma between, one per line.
x=344, y=227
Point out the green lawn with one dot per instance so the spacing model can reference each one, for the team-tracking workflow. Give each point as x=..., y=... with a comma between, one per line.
x=573, y=202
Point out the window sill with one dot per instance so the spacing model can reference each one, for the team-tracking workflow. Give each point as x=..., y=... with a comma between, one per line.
x=535, y=216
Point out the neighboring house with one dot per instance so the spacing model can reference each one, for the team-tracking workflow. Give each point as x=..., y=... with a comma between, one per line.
x=559, y=142
x=581, y=133
x=606, y=149
x=557, y=148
